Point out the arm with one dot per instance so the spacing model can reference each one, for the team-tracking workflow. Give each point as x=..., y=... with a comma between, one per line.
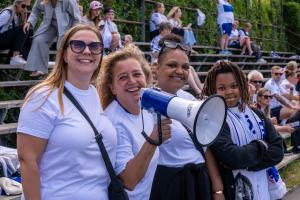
x=213, y=171
x=291, y=97
x=283, y=101
x=229, y=153
x=30, y=151
x=35, y=13
x=73, y=10
x=4, y=17
x=137, y=167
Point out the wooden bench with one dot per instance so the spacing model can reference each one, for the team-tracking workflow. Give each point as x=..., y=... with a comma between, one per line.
x=19, y=83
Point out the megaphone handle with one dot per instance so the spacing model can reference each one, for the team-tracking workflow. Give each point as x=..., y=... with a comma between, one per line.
x=159, y=128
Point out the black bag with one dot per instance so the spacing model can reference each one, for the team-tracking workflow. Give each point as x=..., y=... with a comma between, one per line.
x=116, y=189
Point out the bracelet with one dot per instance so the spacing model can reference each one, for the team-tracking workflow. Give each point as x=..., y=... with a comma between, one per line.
x=218, y=192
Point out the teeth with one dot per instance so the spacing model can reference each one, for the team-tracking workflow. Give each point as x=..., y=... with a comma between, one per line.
x=85, y=60
x=132, y=89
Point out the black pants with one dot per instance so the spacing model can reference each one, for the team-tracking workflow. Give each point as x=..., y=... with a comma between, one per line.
x=15, y=40
x=295, y=136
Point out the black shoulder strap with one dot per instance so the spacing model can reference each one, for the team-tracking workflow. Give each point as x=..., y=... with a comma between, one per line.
x=98, y=137
x=195, y=141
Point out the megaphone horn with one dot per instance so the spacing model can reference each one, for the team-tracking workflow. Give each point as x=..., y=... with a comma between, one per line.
x=205, y=118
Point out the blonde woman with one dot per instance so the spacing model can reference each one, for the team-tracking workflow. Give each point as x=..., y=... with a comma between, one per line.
x=59, y=16
x=12, y=36
x=93, y=16
x=59, y=156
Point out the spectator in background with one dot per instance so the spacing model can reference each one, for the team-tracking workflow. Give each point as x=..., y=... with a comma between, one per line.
x=288, y=86
x=59, y=16
x=12, y=36
x=234, y=38
x=164, y=28
x=174, y=17
x=156, y=18
x=109, y=31
x=53, y=134
x=225, y=20
x=256, y=79
x=93, y=17
x=127, y=40
x=80, y=8
x=245, y=41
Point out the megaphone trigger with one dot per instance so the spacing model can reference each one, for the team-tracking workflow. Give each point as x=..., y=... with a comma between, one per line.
x=159, y=128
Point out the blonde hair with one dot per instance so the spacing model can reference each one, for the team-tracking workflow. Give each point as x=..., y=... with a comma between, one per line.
x=260, y=93
x=105, y=78
x=171, y=14
x=58, y=76
x=292, y=66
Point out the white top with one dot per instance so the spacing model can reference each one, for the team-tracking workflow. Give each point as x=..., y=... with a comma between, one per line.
x=4, y=18
x=71, y=166
x=274, y=88
x=156, y=19
x=243, y=33
x=225, y=12
x=180, y=149
x=234, y=33
x=154, y=45
x=111, y=25
x=130, y=141
x=289, y=88
x=175, y=23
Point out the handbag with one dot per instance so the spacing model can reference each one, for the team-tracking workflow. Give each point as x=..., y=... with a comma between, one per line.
x=276, y=186
x=116, y=189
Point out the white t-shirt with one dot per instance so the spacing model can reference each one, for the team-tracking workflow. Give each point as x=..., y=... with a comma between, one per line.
x=287, y=87
x=180, y=149
x=225, y=12
x=233, y=35
x=156, y=19
x=71, y=166
x=274, y=88
x=130, y=141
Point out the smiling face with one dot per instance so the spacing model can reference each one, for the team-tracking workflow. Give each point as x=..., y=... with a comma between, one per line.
x=128, y=79
x=82, y=64
x=172, y=71
x=110, y=16
x=227, y=87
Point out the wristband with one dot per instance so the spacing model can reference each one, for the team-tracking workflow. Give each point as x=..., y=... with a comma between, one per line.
x=218, y=192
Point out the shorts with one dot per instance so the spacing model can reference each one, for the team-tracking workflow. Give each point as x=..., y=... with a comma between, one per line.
x=225, y=28
x=275, y=112
x=235, y=44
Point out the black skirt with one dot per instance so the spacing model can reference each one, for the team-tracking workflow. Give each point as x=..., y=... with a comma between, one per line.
x=190, y=182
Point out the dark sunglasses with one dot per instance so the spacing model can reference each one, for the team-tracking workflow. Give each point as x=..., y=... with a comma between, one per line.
x=78, y=46
x=175, y=45
x=278, y=74
x=24, y=6
x=267, y=96
x=256, y=82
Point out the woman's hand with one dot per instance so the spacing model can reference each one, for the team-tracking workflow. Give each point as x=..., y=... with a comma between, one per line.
x=165, y=130
x=26, y=27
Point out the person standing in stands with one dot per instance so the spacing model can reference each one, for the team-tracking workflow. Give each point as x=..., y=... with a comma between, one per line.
x=186, y=170
x=59, y=16
x=59, y=156
x=248, y=144
x=12, y=36
x=93, y=17
x=225, y=21
x=122, y=76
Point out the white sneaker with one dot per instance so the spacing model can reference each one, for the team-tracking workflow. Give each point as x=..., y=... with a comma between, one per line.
x=50, y=63
x=261, y=61
x=17, y=60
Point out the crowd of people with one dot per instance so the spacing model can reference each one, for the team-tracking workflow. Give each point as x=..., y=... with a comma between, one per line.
x=57, y=140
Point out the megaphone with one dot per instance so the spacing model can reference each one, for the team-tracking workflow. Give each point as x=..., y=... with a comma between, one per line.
x=205, y=118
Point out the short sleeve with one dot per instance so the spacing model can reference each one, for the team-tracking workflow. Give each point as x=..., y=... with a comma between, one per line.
x=4, y=17
x=37, y=117
x=124, y=149
x=271, y=88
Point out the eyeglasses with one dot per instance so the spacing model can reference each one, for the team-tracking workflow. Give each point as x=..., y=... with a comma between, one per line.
x=278, y=74
x=24, y=6
x=78, y=46
x=175, y=45
x=267, y=96
x=256, y=82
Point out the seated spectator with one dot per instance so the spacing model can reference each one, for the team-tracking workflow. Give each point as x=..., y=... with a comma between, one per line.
x=281, y=108
x=109, y=31
x=93, y=17
x=126, y=40
x=165, y=28
x=174, y=17
x=59, y=16
x=156, y=18
x=289, y=86
x=234, y=38
x=12, y=36
x=225, y=20
x=245, y=41
x=255, y=78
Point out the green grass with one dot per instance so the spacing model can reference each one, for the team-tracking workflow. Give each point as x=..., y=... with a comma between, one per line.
x=291, y=174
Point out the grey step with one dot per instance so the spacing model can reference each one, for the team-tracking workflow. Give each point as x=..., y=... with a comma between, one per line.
x=8, y=128
x=10, y=104
x=287, y=160
x=19, y=83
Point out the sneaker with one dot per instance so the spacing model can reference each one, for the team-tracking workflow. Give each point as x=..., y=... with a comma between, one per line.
x=17, y=60
x=261, y=61
x=36, y=74
x=50, y=63
x=222, y=52
x=228, y=53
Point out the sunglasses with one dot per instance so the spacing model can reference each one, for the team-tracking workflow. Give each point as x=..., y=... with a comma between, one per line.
x=78, y=46
x=175, y=45
x=267, y=96
x=278, y=74
x=24, y=6
x=256, y=82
